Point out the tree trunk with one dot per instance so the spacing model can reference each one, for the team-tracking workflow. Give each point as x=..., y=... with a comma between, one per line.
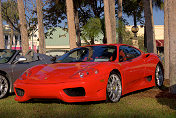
x=11, y=36
x=23, y=27
x=78, y=32
x=92, y=41
x=145, y=38
x=2, y=42
x=40, y=27
x=113, y=20
x=11, y=26
x=166, y=42
x=71, y=24
x=120, y=38
x=148, y=14
x=108, y=22
x=170, y=33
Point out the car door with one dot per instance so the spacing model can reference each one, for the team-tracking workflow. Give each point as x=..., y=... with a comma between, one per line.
x=133, y=67
x=20, y=67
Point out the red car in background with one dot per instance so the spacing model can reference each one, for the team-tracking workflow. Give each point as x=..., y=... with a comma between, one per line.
x=91, y=73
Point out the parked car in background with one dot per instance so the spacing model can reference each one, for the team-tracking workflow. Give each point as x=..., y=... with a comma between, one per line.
x=12, y=65
x=57, y=53
x=92, y=73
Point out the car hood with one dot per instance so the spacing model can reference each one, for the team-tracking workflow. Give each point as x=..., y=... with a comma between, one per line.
x=56, y=73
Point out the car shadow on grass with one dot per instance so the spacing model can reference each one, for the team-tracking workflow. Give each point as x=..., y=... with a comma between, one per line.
x=138, y=92
x=164, y=97
x=57, y=101
x=50, y=101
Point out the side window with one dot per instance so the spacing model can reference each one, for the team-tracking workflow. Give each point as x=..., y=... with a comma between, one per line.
x=133, y=52
x=128, y=53
x=31, y=56
x=77, y=55
x=122, y=53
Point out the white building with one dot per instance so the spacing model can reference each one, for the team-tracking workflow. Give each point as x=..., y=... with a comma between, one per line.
x=16, y=43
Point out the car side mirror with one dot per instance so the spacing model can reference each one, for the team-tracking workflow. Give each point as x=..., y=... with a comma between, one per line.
x=20, y=59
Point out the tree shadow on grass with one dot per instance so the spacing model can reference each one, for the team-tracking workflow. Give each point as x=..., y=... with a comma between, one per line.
x=164, y=97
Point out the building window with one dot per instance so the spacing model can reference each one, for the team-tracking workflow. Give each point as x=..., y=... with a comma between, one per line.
x=6, y=41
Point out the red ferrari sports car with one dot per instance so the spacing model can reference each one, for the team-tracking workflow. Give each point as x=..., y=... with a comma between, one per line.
x=91, y=73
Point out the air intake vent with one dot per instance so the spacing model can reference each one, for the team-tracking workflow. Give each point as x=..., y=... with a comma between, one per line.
x=20, y=92
x=75, y=91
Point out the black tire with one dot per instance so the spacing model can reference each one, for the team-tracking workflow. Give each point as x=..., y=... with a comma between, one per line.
x=114, y=88
x=4, y=86
x=159, y=77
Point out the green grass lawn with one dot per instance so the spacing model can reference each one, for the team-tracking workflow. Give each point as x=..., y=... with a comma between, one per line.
x=143, y=104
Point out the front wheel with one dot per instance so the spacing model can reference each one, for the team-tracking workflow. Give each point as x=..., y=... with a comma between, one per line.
x=114, y=88
x=4, y=86
x=159, y=77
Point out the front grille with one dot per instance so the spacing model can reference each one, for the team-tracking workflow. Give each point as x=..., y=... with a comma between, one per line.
x=20, y=92
x=79, y=91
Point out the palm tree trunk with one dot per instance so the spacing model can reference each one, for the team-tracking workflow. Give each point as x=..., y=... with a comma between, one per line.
x=108, y=21
x=78, y=32
x=71, y=24
x=11, y=26
x=166, y=42
x=23, y=27
x=120, y=22
x=170, y=33
x=40, y=27
x=145, y=38
x=148, y=14
x=2, y=42
x=113, y=20
x=11, y=36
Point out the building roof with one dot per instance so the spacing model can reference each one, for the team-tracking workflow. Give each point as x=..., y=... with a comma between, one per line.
x=59, y=38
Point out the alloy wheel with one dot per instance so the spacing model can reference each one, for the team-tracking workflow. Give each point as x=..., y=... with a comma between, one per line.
x=3, y=86
x=114, y=88
x=159, y=76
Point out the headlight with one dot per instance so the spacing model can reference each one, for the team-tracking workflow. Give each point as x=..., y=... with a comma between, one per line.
x=85, y=72
x=25, y=75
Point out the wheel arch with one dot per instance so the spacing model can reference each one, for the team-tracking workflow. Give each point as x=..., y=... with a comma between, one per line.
x=3, y=72
x=115, y=71
x=120, y=73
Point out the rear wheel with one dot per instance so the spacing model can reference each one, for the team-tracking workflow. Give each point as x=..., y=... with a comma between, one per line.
x=4, y=86
x=114, y=88
x=159, y=77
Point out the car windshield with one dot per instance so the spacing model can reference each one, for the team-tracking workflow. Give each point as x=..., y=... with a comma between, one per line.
x=90, y=54
x=5, y=55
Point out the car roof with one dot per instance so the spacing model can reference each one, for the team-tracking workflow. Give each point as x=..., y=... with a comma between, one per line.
x=113, y=45
x=106, y=45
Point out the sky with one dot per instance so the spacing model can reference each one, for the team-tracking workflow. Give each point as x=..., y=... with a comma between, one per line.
x=158, y=17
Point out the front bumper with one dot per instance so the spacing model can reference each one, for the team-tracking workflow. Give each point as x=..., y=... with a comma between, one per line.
x=56, y=91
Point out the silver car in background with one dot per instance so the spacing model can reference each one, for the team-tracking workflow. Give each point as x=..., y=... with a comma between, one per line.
x=12, y=65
